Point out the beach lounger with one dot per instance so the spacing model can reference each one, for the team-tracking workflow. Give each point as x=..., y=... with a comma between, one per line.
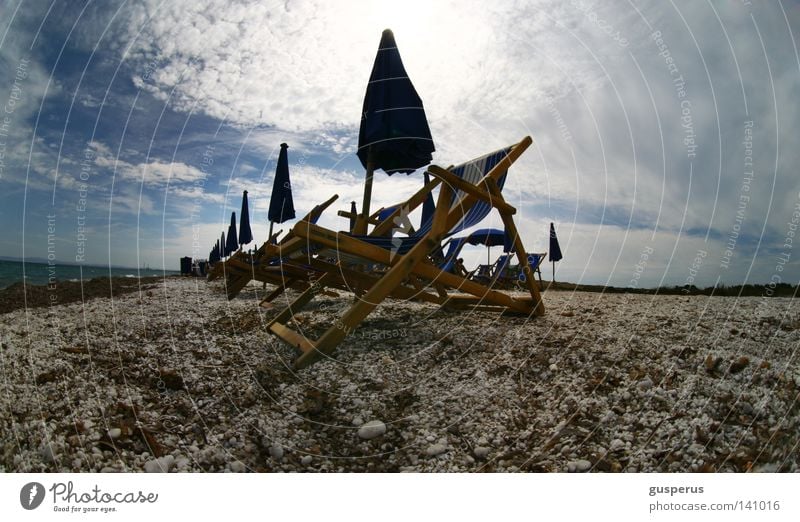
x=242, y=267
x=467, y=194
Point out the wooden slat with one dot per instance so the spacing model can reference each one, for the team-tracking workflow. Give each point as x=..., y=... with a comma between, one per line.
x=519, y=249
x=428, y=271
x=346, y=276
x=465, y=186
x=234, y=286
x=292, y=338
x=301, y=300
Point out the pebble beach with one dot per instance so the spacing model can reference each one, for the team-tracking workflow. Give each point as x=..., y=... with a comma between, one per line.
x=173, y=377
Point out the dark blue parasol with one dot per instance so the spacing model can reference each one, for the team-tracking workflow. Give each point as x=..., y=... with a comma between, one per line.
x=245, y=234
x=281, y=205
x=394, y=135
x=232, y=244
x=555, y=250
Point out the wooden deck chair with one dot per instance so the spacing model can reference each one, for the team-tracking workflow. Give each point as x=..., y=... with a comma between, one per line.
x=241, y=268
x=468, y=193
x=535, y=262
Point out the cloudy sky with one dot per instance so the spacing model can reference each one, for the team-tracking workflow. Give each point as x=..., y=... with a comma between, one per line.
x=665, y=132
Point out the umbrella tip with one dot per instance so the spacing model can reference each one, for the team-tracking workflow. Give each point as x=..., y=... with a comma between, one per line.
x=245, y=192
x=387, y=32
x=284, y=146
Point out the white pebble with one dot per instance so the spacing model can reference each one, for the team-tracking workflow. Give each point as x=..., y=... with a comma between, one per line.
x=306, y=460
x=238, y=467
x=372, y=429
x=435, y=449
x=481, y=452
x=578, y=466
x=276, y=452
x=617, y=445
x=160, y=465
x=114, y=433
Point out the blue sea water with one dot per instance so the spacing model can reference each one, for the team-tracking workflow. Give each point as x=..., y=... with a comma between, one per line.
x=39, y=273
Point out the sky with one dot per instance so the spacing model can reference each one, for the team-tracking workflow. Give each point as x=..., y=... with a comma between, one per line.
x=664, y=132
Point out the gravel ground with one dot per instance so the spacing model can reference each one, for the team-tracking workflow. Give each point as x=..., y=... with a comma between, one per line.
x=175, y=378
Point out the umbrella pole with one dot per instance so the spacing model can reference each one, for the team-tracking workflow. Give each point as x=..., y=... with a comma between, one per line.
x=269, y=237
x=554, y=271
x=361, y=221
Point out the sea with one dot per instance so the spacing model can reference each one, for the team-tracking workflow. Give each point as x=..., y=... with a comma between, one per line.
x=39, y=273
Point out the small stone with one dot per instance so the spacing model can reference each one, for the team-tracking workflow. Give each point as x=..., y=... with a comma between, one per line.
x=238, y=467
x=306, y=460
x=160, y=465
x=578, y=466
x=276, y=451
x=481, y=451
x=358, y=421
x=617, y=445
x=645, y=384
x=114, y=433
x=47, y=453
x=553, y=367
x=108, y=470
x=372, y=429
x=435, y=449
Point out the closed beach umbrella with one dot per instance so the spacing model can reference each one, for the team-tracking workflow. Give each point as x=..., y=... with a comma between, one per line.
x=555, y=250
x=353, y=213
x=394, y=135
x=232, y=244
x=222, y=246
x=281, y=204
x=245, y=234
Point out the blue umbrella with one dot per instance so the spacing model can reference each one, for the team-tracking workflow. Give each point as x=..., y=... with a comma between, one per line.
x=490, y=237
x=281, y=204
x=394, y=134
x=245, y=234
x=232, y=245
x=555, y=250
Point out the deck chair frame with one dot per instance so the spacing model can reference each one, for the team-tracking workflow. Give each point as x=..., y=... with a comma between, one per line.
x=412, y=264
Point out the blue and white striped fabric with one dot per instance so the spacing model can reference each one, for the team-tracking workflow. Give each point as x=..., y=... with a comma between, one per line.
x=472, y=171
